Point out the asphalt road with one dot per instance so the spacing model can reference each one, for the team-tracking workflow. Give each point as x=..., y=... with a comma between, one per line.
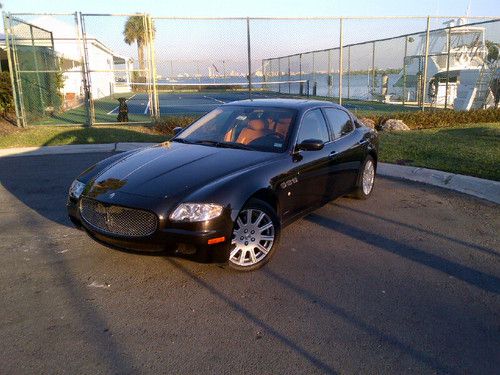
x=407, y=282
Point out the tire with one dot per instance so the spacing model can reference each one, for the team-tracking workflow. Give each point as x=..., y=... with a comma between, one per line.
x=249, y=249
x=362, y=191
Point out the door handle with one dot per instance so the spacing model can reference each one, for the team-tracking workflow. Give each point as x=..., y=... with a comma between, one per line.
x=333, y=154
x=363, y=141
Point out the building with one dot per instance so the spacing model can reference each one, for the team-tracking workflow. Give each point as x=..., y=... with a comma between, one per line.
x=67, y=44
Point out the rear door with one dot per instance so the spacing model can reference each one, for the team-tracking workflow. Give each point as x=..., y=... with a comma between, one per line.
x=346, y=151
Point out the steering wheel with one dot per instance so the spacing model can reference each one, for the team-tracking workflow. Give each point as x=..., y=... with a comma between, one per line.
x=275, y=135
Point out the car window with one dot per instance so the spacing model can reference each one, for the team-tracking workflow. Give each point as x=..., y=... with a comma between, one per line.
x=258, y=128
x=313, y=126
x=340, y=122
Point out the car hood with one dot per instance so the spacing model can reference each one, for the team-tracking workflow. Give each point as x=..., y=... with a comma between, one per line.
x=172, y=168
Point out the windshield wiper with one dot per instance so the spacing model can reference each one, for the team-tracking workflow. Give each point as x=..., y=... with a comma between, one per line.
x=235, y=145
x=181, y=140
x=206, y=142
x=223, y=144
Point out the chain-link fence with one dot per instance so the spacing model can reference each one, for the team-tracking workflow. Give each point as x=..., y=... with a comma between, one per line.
x=447, y=67
x=134, y=68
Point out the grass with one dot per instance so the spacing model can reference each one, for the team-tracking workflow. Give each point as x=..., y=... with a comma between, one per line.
x=467, y=149
x=472, y=149
x=67, y=135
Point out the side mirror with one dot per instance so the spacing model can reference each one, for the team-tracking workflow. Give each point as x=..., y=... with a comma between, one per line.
x=310, y=145
x=177, y=130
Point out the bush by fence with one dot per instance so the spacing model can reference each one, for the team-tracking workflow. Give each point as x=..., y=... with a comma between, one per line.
x=6, y=100
x=439, y=118
x=166, y=125
x=415, y=120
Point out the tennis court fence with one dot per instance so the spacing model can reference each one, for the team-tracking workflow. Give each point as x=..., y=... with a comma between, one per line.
x=82, y=68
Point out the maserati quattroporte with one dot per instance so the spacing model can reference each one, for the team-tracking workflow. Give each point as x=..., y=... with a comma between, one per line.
x=226, y=185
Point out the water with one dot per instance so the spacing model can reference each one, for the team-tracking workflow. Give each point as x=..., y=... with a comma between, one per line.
x=357, y=86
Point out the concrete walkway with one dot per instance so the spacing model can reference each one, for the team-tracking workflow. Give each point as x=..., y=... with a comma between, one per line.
x=478, y=187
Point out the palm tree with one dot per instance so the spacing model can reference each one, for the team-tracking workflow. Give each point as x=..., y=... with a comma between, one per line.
x=135, y=32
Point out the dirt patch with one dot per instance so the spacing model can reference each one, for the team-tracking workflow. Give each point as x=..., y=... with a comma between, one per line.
x=8, y=125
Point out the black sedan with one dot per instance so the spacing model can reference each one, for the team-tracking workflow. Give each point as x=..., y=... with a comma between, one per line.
x=224, y=187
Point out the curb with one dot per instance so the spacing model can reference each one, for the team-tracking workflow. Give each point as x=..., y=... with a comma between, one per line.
x=478, y=187
x=71, y=149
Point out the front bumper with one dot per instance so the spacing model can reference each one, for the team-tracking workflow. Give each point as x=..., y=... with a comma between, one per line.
x=169, y=236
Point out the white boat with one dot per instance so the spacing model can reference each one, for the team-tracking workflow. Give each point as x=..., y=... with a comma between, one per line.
x=456, y=59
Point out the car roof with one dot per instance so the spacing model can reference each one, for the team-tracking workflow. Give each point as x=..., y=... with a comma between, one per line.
x=301, y=104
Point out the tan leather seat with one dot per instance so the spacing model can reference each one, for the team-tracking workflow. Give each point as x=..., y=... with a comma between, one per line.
x=282, y=126
x=255, y=129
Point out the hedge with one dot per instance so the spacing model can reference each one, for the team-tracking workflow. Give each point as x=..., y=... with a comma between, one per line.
x=439, y=118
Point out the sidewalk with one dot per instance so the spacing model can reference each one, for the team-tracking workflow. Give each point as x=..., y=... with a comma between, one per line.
x=478, y=187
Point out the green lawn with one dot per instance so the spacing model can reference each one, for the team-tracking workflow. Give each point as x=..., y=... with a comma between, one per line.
x=469, y=149
x=65, y=135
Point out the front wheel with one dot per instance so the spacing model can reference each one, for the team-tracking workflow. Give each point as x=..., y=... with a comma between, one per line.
x=366, y=180
x=255, y=236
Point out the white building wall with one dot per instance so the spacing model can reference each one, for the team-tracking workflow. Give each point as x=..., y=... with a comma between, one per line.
x=100, y=65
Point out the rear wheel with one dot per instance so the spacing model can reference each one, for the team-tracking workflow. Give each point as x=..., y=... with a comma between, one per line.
x=366, y=180
x=255, y=236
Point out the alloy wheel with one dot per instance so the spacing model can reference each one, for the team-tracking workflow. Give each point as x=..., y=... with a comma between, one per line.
x=368, y=177
x=253, y=238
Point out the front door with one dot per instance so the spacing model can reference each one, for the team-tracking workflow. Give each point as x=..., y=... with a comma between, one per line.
x=305, y=186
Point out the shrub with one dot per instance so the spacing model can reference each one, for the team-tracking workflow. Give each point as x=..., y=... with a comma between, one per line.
x=166, y=125
x=6, y=99
x=439, y=118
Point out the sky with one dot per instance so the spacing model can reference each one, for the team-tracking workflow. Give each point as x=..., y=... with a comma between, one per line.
x=226, y=40
x=225, y=8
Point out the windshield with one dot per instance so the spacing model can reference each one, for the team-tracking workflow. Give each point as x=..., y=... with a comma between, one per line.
x=251, y=128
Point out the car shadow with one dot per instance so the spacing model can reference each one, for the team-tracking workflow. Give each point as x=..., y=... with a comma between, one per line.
x=467, y=274
x=234, y=305
x=41, y=182
x=483, y=249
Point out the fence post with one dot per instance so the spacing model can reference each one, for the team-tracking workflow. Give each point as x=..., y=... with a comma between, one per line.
x=89, y=103
x=341, y=58
x=263, y=71
x=329, y=73
x=249, y=60
x=20, y=120
x=301, y=85
x=279, y=74
x=289, y=75
x=155, y=101
x=372, y=88
x=349, y=72
x=300, y=67
x=404, y=71
x=313, y=72
x=424, y=83
x=447, y=68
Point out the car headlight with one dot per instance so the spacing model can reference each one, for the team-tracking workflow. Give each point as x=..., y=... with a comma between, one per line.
x=76, y=189
x=196, y=212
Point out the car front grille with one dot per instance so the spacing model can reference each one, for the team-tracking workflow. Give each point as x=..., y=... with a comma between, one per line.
x=118, y=220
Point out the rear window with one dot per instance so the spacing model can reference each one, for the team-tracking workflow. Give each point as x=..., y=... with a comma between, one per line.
x=340, y=122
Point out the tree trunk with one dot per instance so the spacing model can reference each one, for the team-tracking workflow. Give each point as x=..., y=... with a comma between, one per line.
x=140, y=55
